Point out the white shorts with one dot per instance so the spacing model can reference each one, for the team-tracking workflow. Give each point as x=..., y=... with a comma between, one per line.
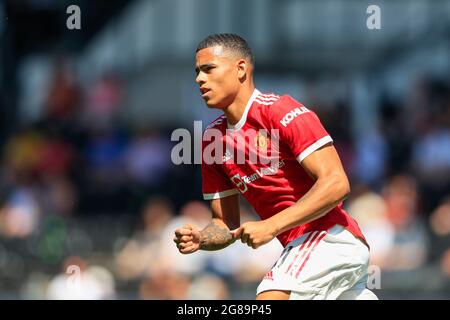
x=322, y=265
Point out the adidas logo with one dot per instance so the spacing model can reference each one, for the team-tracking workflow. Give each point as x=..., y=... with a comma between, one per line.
x=269, y=276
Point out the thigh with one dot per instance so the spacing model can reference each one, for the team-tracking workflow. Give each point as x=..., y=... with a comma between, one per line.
x=274, y=295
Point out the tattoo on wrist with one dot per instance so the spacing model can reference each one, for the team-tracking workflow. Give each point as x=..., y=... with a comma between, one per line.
x=215, y=237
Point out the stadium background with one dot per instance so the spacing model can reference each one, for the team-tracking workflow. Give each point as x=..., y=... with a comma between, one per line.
x=86, y=117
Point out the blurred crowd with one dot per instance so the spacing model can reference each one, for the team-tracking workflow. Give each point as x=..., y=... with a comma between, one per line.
x=89, y=204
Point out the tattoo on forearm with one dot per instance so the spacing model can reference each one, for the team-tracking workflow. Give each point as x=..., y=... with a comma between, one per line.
x=215, y=237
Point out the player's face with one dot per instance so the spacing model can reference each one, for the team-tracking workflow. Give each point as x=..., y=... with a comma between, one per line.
x=218, y=76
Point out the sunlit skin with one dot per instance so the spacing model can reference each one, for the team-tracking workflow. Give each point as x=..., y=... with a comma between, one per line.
x=225, y=80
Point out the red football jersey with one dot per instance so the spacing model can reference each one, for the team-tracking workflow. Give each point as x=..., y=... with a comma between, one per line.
x=276, y=133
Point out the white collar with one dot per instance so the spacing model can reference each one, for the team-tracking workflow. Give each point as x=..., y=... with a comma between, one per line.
x=241, y=121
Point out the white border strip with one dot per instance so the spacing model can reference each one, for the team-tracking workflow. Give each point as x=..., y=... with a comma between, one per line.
x=264, y=98
x=316, y=145
x=267, y=103
x=218, y=195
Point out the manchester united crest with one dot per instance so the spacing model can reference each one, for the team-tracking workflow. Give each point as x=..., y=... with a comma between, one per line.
x=262, y=141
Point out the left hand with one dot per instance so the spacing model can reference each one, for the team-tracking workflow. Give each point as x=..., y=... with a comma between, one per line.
x=254, y=233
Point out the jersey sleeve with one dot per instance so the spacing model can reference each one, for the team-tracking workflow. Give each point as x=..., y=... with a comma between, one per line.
x=215, y=183
x=299, y=128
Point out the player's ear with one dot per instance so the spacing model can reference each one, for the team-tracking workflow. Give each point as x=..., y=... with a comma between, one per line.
x=241, y=68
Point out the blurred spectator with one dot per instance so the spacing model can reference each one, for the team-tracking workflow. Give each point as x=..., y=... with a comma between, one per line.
x=369, y=210
x=410, y=247
x=165, y=285
x=395, y=126
x=50, y=244
x=55, y=157
x=19, y=217
x=57, y=195
x=104, y=100
x=440, y=227
x=147, y=158
x=440, y=219
x=140, y=254
x=64, y=93
x=208, y=287
x=35, y=286
x=430, y=113
x=336, y=119
x=23, y=151
x=104, y=154
x=445, y=263
x=370, y=158
x=432, y=156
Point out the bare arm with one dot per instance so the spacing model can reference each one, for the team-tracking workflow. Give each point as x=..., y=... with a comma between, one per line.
x=216, y=235
x=330, y=188
x=226, y=217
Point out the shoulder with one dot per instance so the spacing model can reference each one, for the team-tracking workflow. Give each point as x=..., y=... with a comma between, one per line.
x=267, y=99
x=275, y=107
x=217, y=123
x=216, y=128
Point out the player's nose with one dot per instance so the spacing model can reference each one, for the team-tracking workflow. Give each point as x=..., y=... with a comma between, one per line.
x=200, y=79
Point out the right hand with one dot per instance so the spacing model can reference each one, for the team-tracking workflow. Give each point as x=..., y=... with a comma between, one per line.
x=187, y=239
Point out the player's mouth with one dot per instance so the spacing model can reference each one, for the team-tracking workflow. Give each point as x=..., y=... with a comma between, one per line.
x=204, y=91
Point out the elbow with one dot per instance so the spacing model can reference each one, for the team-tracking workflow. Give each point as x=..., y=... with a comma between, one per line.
x=346, y=190
x=340, y=188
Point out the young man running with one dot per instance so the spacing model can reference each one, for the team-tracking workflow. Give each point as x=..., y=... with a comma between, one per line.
x=298, y=193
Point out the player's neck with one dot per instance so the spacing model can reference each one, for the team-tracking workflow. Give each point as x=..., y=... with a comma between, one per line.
x=235, y=111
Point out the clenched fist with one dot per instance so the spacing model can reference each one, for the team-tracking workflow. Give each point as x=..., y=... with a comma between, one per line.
x=187, y=239
x=254, y=233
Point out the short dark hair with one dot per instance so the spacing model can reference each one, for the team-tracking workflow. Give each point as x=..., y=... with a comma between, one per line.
x=230, y=41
